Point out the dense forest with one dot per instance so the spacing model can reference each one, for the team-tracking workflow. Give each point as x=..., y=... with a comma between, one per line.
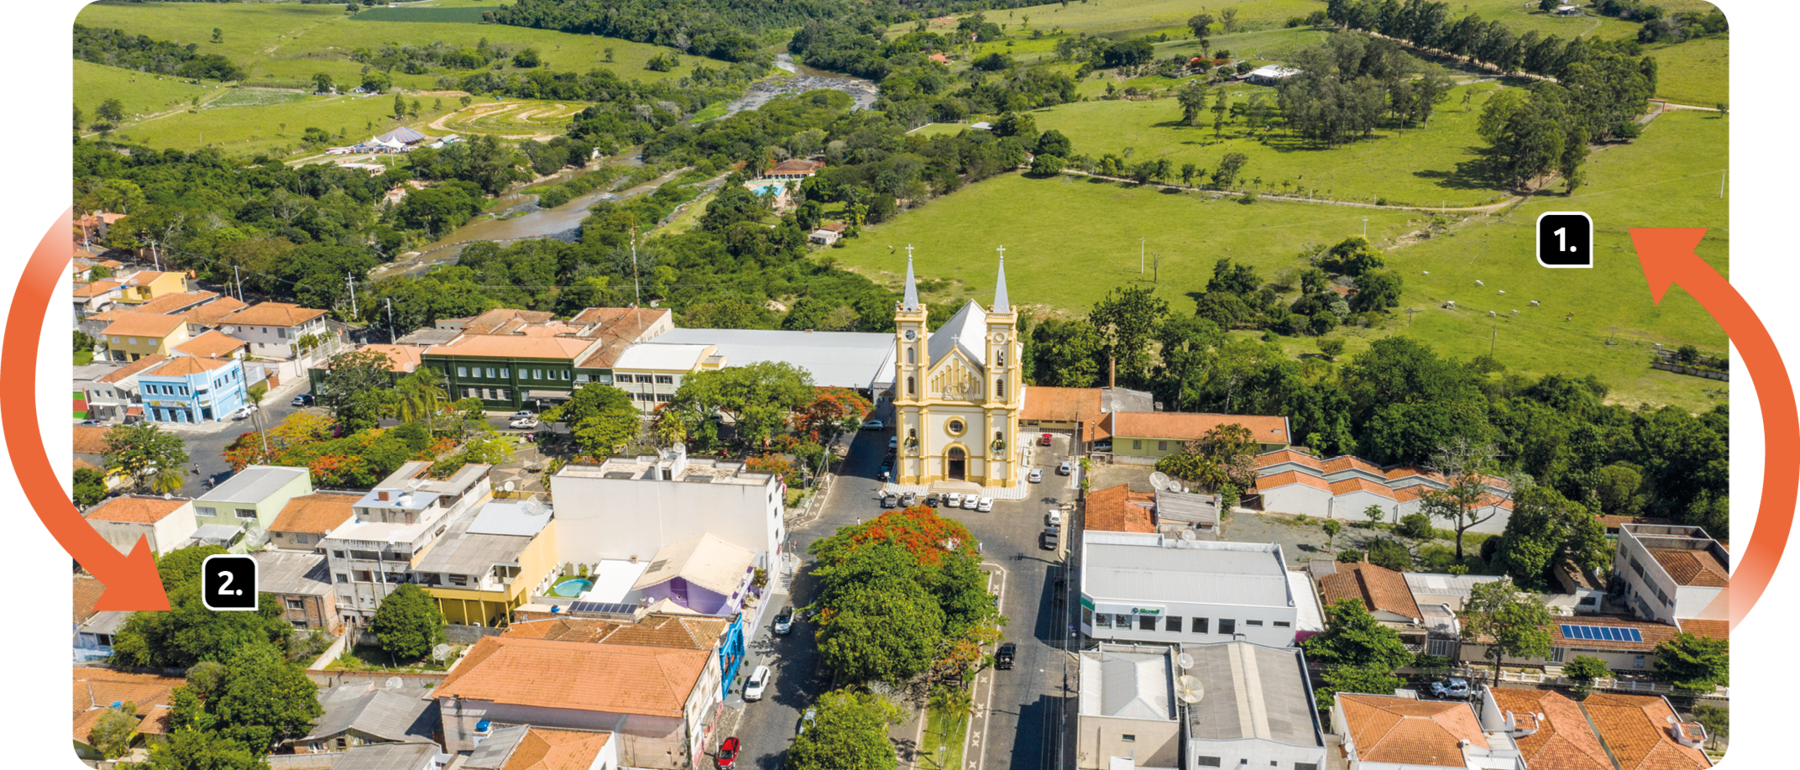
x=118, y=48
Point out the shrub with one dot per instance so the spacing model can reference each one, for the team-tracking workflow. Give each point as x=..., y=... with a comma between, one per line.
x=1390, y=554
x=1350, y=555
x=1416, y=525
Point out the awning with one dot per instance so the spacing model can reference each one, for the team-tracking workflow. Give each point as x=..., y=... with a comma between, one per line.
x=549, y=395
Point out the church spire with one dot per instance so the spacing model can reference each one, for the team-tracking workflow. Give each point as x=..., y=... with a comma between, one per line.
x=912, y=289
x=1001, y=304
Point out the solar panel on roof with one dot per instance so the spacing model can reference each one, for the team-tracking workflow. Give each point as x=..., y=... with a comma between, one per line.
x=1603, y=633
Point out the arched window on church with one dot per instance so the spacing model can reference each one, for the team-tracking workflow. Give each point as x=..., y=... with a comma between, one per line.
x=909, y=355
x=1000, y=387
x=909, y=386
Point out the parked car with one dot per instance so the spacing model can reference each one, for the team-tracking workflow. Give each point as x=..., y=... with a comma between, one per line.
x=806, y=719
x=890, y=500
x=784, y=622
x=759, y=681
x=1454, y=687
x=874, y=425
x=887, y=472
x=1003, y=658
x=244, y=412
x=970, y=502
x=92, y=422
x=1037, y=475
x=1044, y=440
x=909, y=499
x=524, y=422
x=727, y=756
x=986, y=505
x=304, y=399
x=1050, y=538
x=934, y=499
x=1053, y=518
x=1065, y=468
x=893, y=443
x=523, y=413
x=953, y=500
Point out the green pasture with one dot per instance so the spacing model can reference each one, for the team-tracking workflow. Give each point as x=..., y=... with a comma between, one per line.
x=1133, y=18
x=141, y=93
x=1432, y=166
x=514, y=117
x=1695, y=72
x=275, y=126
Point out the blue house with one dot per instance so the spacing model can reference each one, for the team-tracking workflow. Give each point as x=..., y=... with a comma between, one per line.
x=192, y=389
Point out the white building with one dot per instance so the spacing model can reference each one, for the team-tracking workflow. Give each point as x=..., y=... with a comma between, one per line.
x=163, y=523
x=274, y=330
x=1148, y=588
x=395, y=524
x=628, y=508
x=1672, y=571
x=1127, y=708
x=652, y=373
x=861, y=361
x=1255, y=709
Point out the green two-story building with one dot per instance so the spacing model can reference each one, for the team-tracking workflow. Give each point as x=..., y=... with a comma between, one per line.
x=522, y=372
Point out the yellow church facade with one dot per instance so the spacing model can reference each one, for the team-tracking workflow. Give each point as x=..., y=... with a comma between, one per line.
x=957, y=391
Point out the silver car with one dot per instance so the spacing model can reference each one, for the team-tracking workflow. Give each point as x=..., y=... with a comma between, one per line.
x=970, y=502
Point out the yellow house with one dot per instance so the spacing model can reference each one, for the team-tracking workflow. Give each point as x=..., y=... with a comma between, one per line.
x=147, y=285
x=491, y=562
x=132, y=336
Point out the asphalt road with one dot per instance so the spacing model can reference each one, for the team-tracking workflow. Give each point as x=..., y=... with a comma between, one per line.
x=1027, y=701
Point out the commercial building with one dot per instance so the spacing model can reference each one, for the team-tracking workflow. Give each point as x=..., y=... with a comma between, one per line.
x=861, y=361
x=491, y=561
x=301, y=585
x=1127, y=708
x=1672, y=572
x=724, y=637
x=395, y=524
x=628, y=509
x=652, y=373
x=1254, y=709
x=514, y=359
x=1150, y=588
x=165, y=523
x=1078, y=409
x=253, y=497
x=185, y=389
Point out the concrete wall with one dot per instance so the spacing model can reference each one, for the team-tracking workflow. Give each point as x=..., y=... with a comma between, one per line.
x=620, y=518
x=1255, y=754
x=1351, y=505
x=1268, y=633
x=1296, y=498
x=1153, y=743
x=165, y=535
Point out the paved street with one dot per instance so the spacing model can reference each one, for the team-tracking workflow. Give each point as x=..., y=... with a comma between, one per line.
x=1026, y=701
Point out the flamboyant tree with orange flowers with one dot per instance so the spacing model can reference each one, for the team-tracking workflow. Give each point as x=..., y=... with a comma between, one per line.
x=831, y=410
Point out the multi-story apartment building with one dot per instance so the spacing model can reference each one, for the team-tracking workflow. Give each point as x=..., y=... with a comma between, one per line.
x=395, y=525
x=631, y=507
x=1672, y=571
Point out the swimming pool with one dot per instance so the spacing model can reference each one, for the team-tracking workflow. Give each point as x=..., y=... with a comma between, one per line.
x=572, y=587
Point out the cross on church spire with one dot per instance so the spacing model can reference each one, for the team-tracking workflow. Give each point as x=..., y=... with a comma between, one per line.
x=911, y=301
x=1001, y=303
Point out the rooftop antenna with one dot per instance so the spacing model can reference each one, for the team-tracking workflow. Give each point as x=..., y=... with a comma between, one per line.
x=1159, y=481
x=1189, y=689
x=1185, y=661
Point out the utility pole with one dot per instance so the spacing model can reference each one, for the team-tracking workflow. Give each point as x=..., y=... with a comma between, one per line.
x=154, y=256
x=1365, y=228
x=1721, y=183
x=636, y=296
x=1409, y=315
x=390, y=306
x=1140, y=256
x=350, y=281
x=1491, y=337
x=1156, y=269
x=235, y=273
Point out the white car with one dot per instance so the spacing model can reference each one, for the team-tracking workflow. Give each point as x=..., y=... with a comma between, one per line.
x=1065, y=468
x=953, y=500
x=244, y=412
x=1053, y=518
x=523, y=413
x=759, y=681
x=970, y=502
x=525, y=422
x=1037, y=475
x=986, y=505
x=893, y=443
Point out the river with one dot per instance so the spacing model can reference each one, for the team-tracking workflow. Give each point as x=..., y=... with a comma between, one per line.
x=564, y=222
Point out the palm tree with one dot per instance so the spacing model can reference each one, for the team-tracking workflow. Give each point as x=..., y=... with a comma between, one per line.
x=422, y=394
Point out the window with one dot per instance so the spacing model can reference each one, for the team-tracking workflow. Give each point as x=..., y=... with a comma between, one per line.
x=298, y=623
x=296, y=604
x=459, y=580
x=1137, y=444
x=1283, y=624
x=1162, y=446
x=205, y=510
x=1172, y=623
x=303, y=539
x=565, y=374
x=462, y=371
x=1636, y=567
x=1637, y=661
x=909, y=356
x=664, y=398
x=281, y=333
x=909, y=384
x=1127, y=737
x=536, y=374
x=1253, y=623
x=364, y=576
x=1000, y=357
x=1000, y=387
x=505, y=373
x=246, y=513
x=337, y=554
x=1208, y=761
x=643, y=396
x=1306, y=766
x=471, y=393
x=1122, y=621
x=1146, y=622
x=1087, y=616
x=493, y=393
x=343, y=578
x=665, y=379
x=1227, y=626
x=490, y=372
x=1102, y=620
x=1199, y=625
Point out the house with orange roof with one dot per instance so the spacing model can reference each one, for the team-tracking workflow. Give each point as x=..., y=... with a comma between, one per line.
x=186, y=389
x=213, y=344
x=90, y=452
x=1284, y=460
x=1550, y=730
x=91, y=228
x=95, y=297
x=1118, y=509
x=146, y=285
x=1401, y=732
x=208, y=316
x=99, y=690
x=165, y=522
x=1294, y=492
x=1145, y=437
x=523, y=747
x=656, y=701
x=111, y=395
x=1382, y=591
x=1672, y=571
x=1079, y=409
x=1351, y=497
x=508, y=371
x=1643, y=732
x=131, y=336
x=177, y=303
x=282, y=331
x=305, y=520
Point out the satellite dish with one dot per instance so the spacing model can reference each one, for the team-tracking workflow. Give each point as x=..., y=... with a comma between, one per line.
x=508, y=486
x=1189, y=689
x=1159, y=480
x=1185, y=661
x=438, y=653
x=1187, y=534
x=1175, y=486
x=395, y=683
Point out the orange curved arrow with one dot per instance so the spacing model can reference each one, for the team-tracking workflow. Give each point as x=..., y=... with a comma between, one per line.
x=131, y=581
x=1668, y=258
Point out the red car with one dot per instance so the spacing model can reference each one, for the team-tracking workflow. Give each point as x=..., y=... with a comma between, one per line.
x=727, y=756
x=1044, y=440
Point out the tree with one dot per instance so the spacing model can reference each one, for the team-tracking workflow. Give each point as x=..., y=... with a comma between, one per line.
x=1201, y=25
x=1352, y=256
x=189, y=632
x=399, y=106
x=1388, y=553
x=263, y=698
x=1332, y=527
x=1353, y=637
x=420, y=395
x=884, y=626
x=1192, y=97
x=90, y=487
x=154, y=460
x=1128, y=320
x=1355, y=679
x=218, y=35
x=849, y=731
x=1376, y=290
x=375, y=81
x=322, y=82
x=1332, y=348
x=1545, y=531
x=602, y=418
x=1693, y=662
x=112, y=732
x=193, y=749
x=1512, y=623
x=1228, y=169
x=1616, y=487
x=526, y=59
x=408, y=623
x=1375, y=514
x=110, y=112
x=832, y=410
x=1464, y=463
x=1067, y=353
x=358, y=386
x=1584, y=669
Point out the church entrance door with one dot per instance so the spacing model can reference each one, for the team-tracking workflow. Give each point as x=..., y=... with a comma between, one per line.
x=957, y=463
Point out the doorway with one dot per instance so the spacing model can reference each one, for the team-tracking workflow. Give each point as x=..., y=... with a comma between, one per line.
x=957, y=463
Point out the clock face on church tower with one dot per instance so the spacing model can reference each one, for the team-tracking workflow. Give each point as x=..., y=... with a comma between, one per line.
x=910, y=334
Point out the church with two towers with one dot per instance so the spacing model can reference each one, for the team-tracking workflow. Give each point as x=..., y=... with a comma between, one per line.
x=958, y=391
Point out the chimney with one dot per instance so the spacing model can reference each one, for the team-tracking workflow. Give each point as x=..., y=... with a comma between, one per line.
x=382, y=495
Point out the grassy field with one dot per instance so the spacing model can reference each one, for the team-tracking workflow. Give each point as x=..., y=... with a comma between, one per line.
x=1694, y=72
x=1428, y=166
x=1668, y=178
x=141, y=93
x=272, y=121
x=285, y=43
x=513, y=118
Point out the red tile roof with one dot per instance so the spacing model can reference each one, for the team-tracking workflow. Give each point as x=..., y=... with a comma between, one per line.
x=182, y=366
x=1279, y=456
x=1653, y=633
x=1291, y=477
x=1118, y=509
x=317, y=513
x=90, y=439
x=1071, y=405
x=170, y=303
x=1636, y=729
x=1711, y=629
x=1691, y=567
x=401, y=358
x=136, y=509
x=211, y=313
x=1403, y=731
x=96, y=689
x=1377, y=587
x=1563, y=739
x=122, y=373
x=1187, y=426
x=620, y=679
x=143, y=325
x=212, y=344
x=542, y=749
x=499, y=346
x=281, y=314
x=96, y=288
x=87, y=594
x=678, y=632
x=1347, y=462
x=1350, y=485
